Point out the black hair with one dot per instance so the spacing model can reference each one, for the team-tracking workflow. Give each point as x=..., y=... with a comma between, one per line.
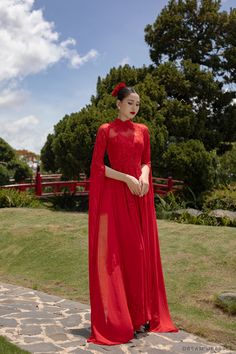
x=124, y=92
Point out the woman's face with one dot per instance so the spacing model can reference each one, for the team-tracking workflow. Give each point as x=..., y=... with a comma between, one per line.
x=129, y=106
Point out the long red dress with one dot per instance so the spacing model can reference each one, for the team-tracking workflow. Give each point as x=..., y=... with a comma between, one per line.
x=125, y=272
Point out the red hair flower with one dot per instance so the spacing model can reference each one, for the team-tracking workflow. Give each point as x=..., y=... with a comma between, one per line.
x=117, y=88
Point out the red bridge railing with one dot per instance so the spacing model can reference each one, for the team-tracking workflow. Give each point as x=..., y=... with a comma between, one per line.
x=51, y=185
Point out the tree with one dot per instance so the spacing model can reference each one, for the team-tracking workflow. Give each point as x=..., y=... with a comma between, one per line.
x=11, y=166
x=195, y=30
x=193, y=46
x=189, y=161
x=19, y=170
x=7, y=153
x=180, y=105
x=74, y=135
x=4, y=175
x=228, y=165
x=47, y=155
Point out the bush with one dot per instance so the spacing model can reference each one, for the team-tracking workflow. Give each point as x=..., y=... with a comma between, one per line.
x=189, y=161
x=7, y=153
x=70, y=202
x=4, y=175
x=204, y=219
x=165, y=205
x=228, y=166
x=20, y=170
x=10, y=198
x=223, y=197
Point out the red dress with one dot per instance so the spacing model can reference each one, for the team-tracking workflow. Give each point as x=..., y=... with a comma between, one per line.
x=125, y=272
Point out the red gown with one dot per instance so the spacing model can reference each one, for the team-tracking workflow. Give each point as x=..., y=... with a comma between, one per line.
x=125, y=272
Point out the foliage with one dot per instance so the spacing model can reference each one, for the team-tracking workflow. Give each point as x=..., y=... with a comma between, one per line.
x=223, y=197
x=48, y=156
x=197, y=38
x=195, y=30
x=10, y=198
x=7, y=153
x=204, y=219
x=70, y=202
x=11, y=165
x=228, y=166
x=71, y=145
x=189, y=161
x=19, y=170
x=183, y=100
x=4, y=175
x=165, y=205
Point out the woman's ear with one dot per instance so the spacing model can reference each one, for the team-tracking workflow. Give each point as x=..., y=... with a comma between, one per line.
x=118, y=104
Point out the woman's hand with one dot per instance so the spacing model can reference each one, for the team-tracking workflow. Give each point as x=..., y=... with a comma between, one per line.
x=144, y=183
x=133, y=184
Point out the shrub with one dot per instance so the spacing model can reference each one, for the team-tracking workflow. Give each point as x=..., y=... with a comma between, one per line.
x=70, y=202
x=189, y=161
x=165, y=205
x=4, y=175
x=204, y=219
x=223, y=197
x=20, y=170
x=228, y=166
x=10, y=198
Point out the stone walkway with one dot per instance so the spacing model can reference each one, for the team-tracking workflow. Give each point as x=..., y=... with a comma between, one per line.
x=42, y=323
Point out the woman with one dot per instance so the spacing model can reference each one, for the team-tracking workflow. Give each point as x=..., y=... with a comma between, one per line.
x=127, y=290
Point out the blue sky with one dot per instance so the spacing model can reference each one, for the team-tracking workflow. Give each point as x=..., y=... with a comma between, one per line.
x=52, y=52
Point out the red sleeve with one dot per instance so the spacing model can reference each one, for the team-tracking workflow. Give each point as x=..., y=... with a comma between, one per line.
x=96, y=183
x=97, y=168
x=146, y=155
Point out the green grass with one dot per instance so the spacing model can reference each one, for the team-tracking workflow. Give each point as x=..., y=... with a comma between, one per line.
x=47, y=250
x=8, y=348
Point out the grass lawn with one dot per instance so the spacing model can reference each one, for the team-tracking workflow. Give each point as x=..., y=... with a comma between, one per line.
x=8, y=348
x=47, y=250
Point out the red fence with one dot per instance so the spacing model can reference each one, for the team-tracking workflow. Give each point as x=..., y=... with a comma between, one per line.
x=51, y=185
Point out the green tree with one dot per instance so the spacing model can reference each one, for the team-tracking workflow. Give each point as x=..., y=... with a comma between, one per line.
x=228, y=166
x=189, y=161
x=193, y=46
x=47, y=155
x=195, y=30
x=11, y=166
x=7, y=153
x=4, y=175
x=19, y=170
x=74, y=136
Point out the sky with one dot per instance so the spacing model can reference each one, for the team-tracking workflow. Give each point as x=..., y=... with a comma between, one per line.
x=52, y=52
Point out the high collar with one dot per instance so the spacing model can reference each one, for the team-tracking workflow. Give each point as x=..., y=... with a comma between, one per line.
x=123, y=123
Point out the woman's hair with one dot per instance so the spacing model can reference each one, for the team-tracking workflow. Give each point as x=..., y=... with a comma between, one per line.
x=124, y=92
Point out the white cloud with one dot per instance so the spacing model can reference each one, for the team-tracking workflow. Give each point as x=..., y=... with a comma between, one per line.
x=11, y=98
x=29, y=43
x=22, y=133
x=77, y=60
x=124, y=61
x=19, y=125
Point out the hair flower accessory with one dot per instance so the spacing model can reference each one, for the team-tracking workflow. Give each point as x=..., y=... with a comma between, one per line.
x=117, y=88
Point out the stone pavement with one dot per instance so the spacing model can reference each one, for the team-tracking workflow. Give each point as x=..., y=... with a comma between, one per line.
x=42, y=323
